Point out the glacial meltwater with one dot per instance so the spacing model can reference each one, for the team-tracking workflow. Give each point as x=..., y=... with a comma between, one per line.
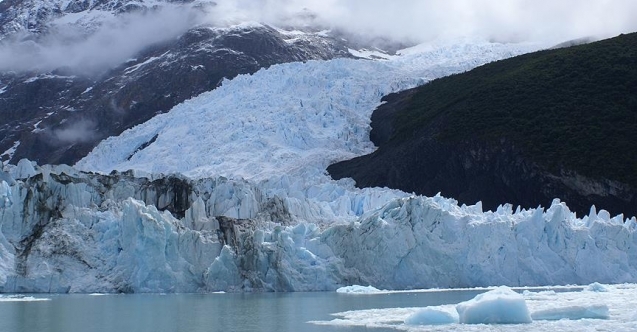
x=554, y=309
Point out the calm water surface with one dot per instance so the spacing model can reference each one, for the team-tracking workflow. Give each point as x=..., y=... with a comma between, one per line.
x=279, y=312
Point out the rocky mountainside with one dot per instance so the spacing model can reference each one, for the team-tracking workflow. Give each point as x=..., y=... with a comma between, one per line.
x=557, y=123
x=58, y=114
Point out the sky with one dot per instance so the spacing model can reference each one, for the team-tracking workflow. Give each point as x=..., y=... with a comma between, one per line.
x=407, y=21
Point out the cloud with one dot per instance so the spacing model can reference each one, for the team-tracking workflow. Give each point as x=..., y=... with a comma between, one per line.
x=123, y=36
x=117, y=39
x=79, y=132
x=422, y=20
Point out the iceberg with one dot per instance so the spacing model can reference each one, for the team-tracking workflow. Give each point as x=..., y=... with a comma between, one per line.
x=499, y=306
x=597, y=287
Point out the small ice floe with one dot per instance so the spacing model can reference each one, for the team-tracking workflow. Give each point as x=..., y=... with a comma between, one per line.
x=356, y=289
x=597, y=287
x=539, y=296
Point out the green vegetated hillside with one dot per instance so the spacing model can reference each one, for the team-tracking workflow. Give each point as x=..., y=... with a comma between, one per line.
x=573, y=107
x=562, y=110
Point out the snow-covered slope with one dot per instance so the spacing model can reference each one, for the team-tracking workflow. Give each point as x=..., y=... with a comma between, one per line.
x=257, y=211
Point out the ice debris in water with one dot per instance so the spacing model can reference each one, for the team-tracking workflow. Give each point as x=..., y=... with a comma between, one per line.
x=597, y=311
x=596, y=287
x=357, y=289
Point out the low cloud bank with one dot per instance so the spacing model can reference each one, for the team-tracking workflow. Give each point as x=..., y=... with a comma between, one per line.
x=123, y=36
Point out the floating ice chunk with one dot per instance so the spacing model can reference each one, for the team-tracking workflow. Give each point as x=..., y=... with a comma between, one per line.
x=22, y=298
x=546, y=292
x=499, y=306
x=596, y=287
x=356, y=289
x=538, y=296
x=432, y=316
x=599, y=311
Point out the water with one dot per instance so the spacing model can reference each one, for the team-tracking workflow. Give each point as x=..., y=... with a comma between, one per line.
x=279, y=312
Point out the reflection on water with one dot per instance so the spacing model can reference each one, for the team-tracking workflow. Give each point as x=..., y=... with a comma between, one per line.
x=203, y=312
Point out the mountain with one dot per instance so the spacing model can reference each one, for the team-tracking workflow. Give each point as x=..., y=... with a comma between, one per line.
x=556, y=123
x=58, y=113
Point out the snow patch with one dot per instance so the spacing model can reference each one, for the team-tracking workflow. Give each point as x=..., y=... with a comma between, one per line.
x=47, y=77
x=369, y=54
x=134, y=68
x=8, y=154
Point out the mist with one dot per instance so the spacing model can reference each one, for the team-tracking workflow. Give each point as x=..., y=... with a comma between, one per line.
x=407, y=21
x=80, y=132
x=116, y=39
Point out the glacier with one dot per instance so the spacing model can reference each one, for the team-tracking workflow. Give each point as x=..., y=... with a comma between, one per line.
x=228, y=192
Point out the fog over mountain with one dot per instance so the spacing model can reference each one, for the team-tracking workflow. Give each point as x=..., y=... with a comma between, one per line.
x=115, y=39
x=119, y=37
x=420, y=20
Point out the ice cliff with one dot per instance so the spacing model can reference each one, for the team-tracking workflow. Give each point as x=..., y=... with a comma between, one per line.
x=68, y=231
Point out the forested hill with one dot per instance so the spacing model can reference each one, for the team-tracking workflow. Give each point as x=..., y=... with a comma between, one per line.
x=556, y=123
